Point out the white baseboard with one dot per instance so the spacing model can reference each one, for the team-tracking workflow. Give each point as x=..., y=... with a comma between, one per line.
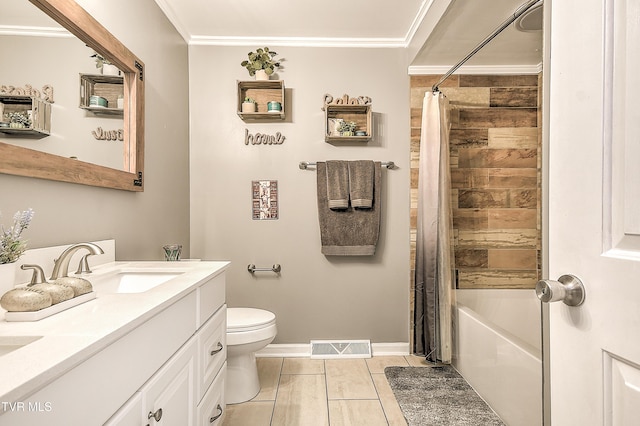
x=303, y=350
x=389, y=349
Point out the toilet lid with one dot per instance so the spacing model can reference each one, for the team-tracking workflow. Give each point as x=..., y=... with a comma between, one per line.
x=247, y=319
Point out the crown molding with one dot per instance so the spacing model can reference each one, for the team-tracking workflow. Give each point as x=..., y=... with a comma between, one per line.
x=20, y=30
x=173, y=19
x=476, y=69
x=298, y=41
x=417, y=21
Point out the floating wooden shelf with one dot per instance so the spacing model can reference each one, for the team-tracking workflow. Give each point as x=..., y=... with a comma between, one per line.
x=109, y=87
x=40, y=115
x=347, y=138
x=263, y=92
x=360, y=114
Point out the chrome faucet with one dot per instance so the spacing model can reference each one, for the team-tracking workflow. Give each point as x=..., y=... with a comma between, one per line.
x=61, y=264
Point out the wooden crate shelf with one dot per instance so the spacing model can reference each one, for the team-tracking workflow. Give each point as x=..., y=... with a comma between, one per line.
x=263, y=92
x=40, y=115
x=109, y=87
x=360, y=114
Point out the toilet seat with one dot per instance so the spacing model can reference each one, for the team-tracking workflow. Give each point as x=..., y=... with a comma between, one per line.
x=241, y=320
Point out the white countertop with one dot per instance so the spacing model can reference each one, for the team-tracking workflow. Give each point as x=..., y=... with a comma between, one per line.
x=74, y=335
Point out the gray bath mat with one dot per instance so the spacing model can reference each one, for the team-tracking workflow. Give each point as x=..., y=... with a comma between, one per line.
x=438, y=397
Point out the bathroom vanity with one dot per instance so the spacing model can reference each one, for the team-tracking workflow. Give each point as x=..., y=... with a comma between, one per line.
x=150, y=348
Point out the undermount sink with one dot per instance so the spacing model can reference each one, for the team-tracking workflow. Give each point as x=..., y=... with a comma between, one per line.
x=12, y=343
x=132, y=281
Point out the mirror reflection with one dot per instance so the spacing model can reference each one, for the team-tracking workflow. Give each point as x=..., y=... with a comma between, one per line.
x=86, y=115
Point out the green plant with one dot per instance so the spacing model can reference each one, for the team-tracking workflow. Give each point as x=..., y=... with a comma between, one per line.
x=19, y=117
x=11, y=247
x=347, y=126
x=249, y=100
x=261, y=59
x=100, y=60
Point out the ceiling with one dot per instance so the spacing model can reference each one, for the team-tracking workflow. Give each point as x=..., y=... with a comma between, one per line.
x=438, y=33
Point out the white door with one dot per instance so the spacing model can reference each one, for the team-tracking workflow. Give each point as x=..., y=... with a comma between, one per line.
x=594, y=209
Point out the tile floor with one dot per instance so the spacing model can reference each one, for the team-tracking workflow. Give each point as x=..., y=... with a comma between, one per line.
x=313, y=392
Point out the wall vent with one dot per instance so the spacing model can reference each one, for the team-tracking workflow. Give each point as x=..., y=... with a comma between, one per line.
x=328, y=349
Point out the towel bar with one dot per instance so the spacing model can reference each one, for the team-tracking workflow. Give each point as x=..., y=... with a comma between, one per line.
x=304, y=164
x=275, y=268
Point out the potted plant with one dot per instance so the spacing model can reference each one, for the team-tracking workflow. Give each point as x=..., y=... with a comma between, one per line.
x=11, y=248
x=347, y=128
x=261, y=63
x=18, y=120
x=103, y=64
x=249, y=105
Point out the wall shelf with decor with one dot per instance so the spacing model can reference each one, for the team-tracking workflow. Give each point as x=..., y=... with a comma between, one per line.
x=34, y=111
x=99, y=94
x=262, y=92
x=356, y=111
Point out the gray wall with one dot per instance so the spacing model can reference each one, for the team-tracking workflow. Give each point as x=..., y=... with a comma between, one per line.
x=71, y=126
x=315, y=297
x=140, y=222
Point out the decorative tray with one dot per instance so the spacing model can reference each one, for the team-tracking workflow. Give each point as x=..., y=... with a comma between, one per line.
x=51, y=310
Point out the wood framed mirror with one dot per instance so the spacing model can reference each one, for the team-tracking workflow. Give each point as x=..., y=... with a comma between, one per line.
x=22, y=161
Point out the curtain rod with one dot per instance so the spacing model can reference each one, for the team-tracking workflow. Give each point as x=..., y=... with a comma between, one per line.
x=522, y=9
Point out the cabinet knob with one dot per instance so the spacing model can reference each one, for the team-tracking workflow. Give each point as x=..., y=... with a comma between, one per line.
x=217, y=416
x=156, y=416
x=215, y=351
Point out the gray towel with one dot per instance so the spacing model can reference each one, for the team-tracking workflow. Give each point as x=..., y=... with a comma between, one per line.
x=361, y=183
x=337, y=183
x=350, y=232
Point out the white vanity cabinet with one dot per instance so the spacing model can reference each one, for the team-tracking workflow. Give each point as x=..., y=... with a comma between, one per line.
x=168, y=398
x=174, y=361
x=189, y=388
x=128, y=414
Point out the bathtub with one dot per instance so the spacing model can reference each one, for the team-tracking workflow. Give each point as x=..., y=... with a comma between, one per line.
x=498, y=351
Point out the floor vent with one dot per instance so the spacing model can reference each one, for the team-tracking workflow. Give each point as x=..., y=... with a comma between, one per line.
x=327, y=349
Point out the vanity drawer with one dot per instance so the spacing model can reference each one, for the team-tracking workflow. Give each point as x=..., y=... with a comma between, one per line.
x=212, y=349
x=211, y=296
x=212, y=406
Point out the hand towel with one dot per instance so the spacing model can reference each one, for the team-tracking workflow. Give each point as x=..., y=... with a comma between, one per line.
x=361, y=183
x=337, y=183
x=349, y=232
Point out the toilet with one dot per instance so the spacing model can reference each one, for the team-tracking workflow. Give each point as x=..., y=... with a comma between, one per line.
x=248, y=331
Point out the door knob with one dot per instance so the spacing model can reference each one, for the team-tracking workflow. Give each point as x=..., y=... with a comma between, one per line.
x=568, y=288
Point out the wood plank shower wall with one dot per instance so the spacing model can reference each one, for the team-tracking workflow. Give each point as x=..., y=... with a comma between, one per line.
x=495, y=173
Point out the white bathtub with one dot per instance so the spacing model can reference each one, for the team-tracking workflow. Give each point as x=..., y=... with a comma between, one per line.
x=497, y=350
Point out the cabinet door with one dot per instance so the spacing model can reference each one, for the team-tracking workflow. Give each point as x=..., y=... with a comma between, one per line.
x=169, y=397
x=129, y=413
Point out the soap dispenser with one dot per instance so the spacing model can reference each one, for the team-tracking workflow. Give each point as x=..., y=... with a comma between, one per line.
x=59, y=293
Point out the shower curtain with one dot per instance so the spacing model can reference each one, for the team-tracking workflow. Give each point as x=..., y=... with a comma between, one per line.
x=434, y=277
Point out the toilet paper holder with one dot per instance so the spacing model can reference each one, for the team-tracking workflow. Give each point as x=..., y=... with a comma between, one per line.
x=275, y=268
